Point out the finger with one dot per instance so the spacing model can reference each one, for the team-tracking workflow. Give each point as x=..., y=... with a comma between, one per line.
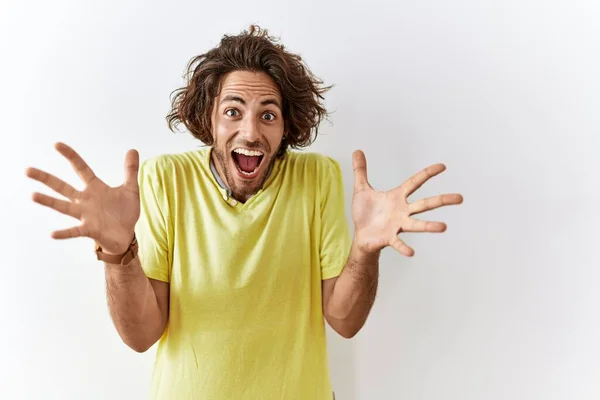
x=76, y=231
x=64, y=207
x=415, y=225
x=80, y=166
x=132, y=164
x=401, y=247
x=359, y=165
x=56, y=184
x=431, y=203
x=417, y=180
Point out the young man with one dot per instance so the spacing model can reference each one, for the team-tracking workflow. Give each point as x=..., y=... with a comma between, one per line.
x=234, y=255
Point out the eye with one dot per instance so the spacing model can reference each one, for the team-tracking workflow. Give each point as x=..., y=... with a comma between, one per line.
x=269, y=116
x=232, y=112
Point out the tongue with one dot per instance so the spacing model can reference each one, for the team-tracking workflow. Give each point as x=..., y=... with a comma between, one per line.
x=247, y=163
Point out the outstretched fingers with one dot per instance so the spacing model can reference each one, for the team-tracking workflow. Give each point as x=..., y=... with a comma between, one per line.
x=416, y=225
x=401, y=247
x=417, y=180
x=79, y=165
x=54, y=183
x=64, y=207
x=431, y=203
x=76, y=231
x=359, y=165
x=132, y=164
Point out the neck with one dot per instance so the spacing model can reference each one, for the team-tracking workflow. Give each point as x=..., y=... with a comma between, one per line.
x=219, y=174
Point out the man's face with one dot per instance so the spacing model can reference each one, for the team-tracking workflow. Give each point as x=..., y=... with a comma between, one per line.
x=247, y=129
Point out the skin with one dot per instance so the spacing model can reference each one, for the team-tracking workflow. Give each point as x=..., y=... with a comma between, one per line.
x=247, y=113
x=379, y=217
x=138, y=305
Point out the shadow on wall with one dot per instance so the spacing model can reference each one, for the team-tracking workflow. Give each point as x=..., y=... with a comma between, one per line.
x=342, y=359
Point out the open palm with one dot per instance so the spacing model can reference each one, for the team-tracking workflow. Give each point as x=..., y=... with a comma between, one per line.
x=379, y=217
x=107, y=214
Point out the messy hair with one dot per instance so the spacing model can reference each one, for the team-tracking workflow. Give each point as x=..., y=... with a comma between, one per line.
x=256, y=51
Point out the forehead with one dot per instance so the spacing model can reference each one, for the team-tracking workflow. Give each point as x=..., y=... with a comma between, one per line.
x=249, y=84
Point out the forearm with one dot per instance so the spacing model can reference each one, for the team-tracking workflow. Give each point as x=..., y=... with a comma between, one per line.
x=133, y=305
x=354, y=292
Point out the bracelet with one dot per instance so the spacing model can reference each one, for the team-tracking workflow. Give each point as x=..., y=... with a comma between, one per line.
x=120, y=259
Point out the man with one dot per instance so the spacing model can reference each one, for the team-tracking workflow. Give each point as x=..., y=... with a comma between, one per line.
x=232, y=256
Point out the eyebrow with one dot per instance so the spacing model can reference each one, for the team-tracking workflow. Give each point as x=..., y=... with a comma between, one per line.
x=242, y=101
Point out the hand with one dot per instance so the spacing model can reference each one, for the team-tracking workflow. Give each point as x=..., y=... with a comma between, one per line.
x=379, y=217
x=108, y=215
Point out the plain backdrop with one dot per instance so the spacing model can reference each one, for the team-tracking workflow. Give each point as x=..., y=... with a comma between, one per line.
x=504, y=305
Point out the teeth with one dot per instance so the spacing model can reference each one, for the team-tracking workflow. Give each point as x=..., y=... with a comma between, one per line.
x=247, y=152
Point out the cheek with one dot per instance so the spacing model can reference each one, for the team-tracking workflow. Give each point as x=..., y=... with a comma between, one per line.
x=223, y=131
x=274, y=135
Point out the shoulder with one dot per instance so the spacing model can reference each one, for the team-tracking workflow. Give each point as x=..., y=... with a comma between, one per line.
x=164, y=165
x=318, y=163
x=316, y=173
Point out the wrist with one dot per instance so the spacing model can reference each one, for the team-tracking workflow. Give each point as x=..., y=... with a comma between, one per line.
x=122, y=257
x=120, y=247
x=364, y=255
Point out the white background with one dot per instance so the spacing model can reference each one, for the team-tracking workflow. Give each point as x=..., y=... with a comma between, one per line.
x=504, y=305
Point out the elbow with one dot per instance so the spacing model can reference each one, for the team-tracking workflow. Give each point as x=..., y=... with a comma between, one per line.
x=138, y=345
x=139, y=348
x=141, y=340
x=347, y=333
x=342, y=325
x=337, y=313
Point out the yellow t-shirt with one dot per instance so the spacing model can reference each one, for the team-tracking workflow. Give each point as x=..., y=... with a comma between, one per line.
x=245, y=314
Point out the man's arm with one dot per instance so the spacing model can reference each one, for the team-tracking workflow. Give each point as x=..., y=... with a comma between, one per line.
x=139, y=306
x=348, y=299
x=378, y=217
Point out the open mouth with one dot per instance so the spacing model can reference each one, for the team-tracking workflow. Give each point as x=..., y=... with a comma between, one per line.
x=247, y=161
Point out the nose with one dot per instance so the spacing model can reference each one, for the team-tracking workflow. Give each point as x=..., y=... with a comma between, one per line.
x=249, y=129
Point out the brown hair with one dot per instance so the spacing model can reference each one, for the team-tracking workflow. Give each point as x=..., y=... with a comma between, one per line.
x=252, y=50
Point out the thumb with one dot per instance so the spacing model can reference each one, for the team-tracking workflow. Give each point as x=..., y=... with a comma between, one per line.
x=132, y=164
x=359, y=164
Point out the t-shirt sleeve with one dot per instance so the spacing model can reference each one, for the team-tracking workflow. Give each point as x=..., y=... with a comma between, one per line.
x=151, y=228
x=335, y=232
